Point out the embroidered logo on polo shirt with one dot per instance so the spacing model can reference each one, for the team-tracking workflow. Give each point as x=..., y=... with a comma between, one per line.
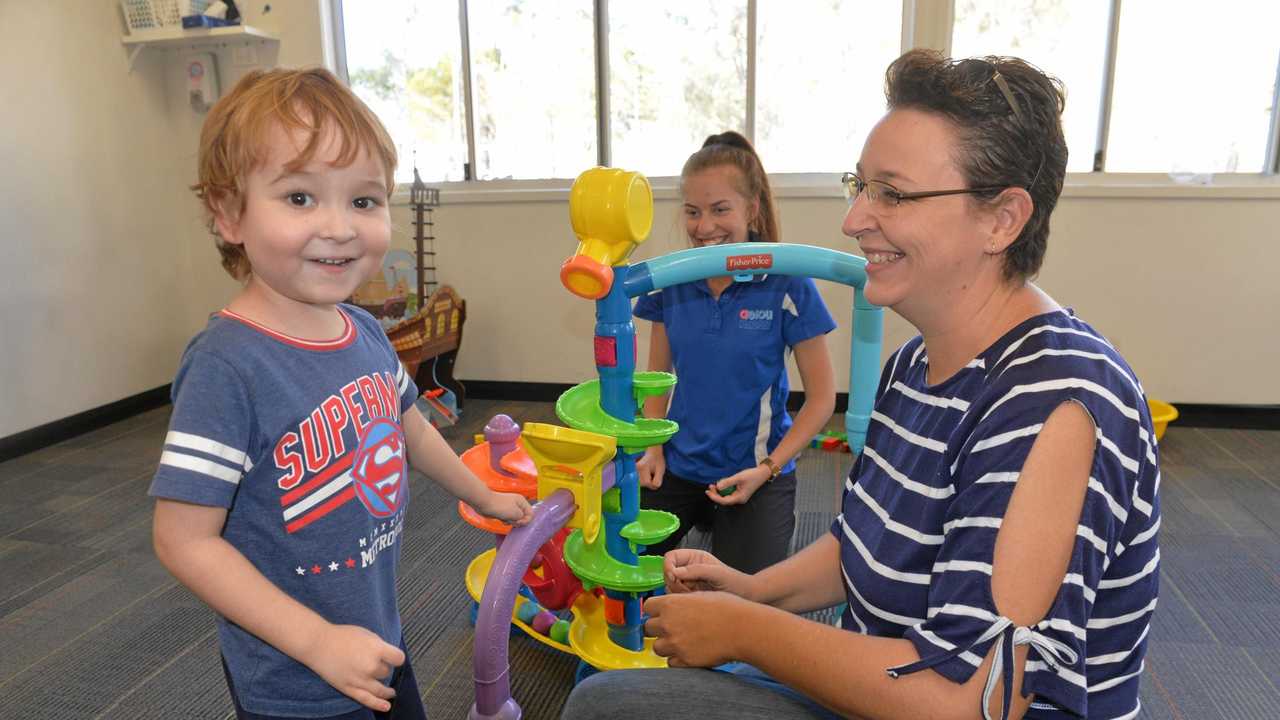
x=755, y=319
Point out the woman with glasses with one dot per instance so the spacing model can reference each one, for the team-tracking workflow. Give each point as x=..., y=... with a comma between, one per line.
x=730, y=467
x=997, y=542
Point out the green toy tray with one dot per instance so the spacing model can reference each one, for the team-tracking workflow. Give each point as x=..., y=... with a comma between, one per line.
x=593, y=565
x=650, y=527
x=579, y=408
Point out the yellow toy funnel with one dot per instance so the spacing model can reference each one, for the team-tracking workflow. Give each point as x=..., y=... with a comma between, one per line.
x=611, y=212
x=573, y=460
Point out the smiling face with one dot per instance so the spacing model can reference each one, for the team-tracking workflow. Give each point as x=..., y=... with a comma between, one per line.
x=313, y=233
x=715, y=212
x=924, y=256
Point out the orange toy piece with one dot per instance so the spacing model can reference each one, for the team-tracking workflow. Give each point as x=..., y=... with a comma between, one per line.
x=523, y=479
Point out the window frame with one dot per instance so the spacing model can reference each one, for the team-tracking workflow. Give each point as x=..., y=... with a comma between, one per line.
x=925, y=23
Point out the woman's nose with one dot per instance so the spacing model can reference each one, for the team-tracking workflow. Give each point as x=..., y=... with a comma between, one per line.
x=858, y=219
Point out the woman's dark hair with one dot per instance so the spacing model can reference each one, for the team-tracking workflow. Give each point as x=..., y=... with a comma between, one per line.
x=1008, y=117
x=731, y=148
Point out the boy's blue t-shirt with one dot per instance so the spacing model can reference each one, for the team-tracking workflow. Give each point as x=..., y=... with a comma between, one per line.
x=729, y=357
x=302, y=443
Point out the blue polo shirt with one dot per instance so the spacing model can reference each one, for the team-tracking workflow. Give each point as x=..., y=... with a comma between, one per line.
x=729, y=355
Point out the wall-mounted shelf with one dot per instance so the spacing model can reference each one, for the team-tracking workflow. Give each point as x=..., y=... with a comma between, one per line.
x=139, y=40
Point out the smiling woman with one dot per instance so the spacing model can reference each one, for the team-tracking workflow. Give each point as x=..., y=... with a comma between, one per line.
x=996, y=548
x=730, y=468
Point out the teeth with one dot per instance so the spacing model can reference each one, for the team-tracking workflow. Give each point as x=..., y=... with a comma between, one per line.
x=883, y=258
x=331, y=261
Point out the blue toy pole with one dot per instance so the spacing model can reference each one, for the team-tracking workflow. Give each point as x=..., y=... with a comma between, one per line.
x=615, y=351
x=744, y=259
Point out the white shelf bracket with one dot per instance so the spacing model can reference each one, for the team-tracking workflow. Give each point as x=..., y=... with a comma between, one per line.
x=134, y=52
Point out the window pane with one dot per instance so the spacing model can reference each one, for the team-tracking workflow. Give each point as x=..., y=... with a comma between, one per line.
x=403, y=59
x=534, y=90
x=820, y=79
x=677, y=73
x=1065, y=38
x=1194, y=87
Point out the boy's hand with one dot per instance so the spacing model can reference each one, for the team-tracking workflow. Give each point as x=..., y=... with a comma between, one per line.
x=508, y=507
x=355, y=661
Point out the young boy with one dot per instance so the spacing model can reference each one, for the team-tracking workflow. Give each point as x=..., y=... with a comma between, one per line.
x=282, y=489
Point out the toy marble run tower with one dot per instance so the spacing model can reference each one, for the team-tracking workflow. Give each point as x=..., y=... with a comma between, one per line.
x=584, y=475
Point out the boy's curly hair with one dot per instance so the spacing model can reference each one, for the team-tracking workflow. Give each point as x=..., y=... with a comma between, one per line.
x=234, y=139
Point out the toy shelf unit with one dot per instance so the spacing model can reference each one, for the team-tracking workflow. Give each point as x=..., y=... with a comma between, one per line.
x=158, y=24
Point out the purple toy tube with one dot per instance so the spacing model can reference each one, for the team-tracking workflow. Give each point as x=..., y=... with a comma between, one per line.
x=493, y=681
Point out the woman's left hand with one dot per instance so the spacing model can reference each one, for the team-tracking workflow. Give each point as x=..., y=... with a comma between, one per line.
x=739, y=487
x=694, y=629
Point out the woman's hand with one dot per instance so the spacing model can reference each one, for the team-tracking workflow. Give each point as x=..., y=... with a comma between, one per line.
x=688, y=570
x=508, y=507
x=355, y=661
x=651, y=467
x=739, y=487
x=695, y=629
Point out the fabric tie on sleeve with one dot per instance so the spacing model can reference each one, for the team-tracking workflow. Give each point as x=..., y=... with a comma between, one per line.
x=1054, y=653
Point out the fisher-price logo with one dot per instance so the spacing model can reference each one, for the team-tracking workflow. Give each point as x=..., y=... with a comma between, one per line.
x=761, y=261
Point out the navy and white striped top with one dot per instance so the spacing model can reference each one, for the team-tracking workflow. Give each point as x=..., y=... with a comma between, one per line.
x=925, y=500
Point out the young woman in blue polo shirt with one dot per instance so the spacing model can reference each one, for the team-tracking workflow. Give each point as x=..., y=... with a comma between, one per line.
x=731, y=465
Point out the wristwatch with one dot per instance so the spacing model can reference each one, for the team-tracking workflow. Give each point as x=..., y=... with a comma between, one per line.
x=774, y=469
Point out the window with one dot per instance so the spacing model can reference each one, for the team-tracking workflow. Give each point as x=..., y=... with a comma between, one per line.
x=677, y=73
x=820, y=80
x=1066, y=39
x=533, y=88
x=404, y=59
x=1193, y=87
x=528, y=89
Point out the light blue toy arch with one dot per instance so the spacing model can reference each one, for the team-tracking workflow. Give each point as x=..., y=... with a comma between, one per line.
x=743, y=259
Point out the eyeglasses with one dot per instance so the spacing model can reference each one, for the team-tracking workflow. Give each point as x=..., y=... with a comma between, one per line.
x=882, y=193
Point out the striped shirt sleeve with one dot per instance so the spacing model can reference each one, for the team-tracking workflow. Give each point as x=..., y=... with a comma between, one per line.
x=962, y=619
x=206, y=450
x=407, y=388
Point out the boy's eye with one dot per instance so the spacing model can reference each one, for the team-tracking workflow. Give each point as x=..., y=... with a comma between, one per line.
x=300, y=199
x=365, y=203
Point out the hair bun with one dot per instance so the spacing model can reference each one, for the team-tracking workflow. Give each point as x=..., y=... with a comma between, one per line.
x=729, y=138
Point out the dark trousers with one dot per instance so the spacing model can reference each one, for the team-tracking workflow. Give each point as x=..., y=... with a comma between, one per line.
x=406, y=705
x=748, y=537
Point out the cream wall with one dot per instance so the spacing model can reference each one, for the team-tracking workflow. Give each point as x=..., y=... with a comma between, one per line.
x=107, y=270
x=1184, y=287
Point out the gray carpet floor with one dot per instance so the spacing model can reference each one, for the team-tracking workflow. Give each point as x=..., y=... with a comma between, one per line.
x=92, y=627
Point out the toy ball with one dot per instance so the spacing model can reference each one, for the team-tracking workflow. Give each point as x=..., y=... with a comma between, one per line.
x=560, y=631
x=543, y=621
x=527, y=611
